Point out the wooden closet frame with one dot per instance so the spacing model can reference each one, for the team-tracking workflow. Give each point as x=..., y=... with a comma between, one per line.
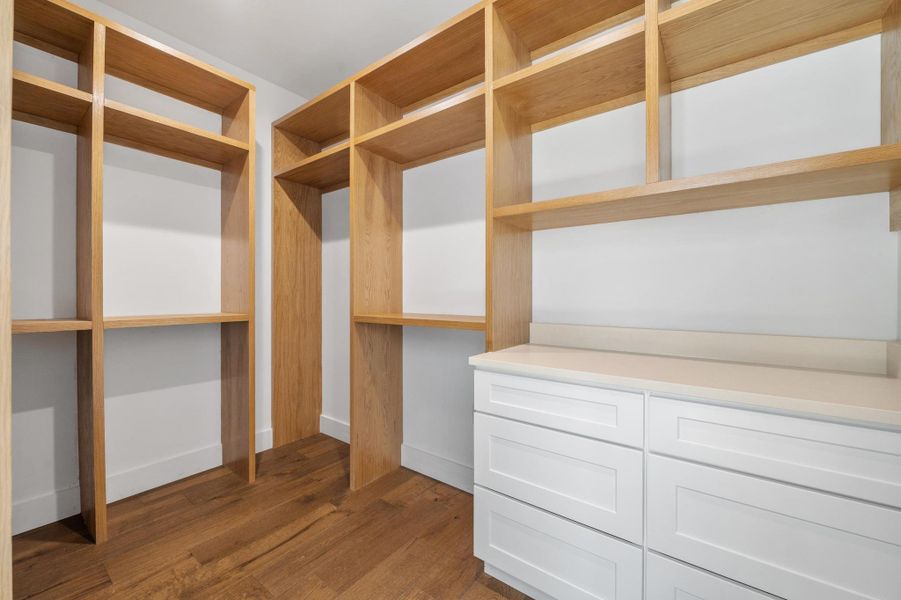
x=100, y=47
x=476, y=81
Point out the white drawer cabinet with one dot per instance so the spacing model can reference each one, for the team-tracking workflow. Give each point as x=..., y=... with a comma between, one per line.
x=791, y=542
x=604, y=414
x=671, y=580
x=595, y=483
x=848, y=460
x=553, y=555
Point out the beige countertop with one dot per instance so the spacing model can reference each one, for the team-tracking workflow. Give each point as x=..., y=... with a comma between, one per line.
x=865, y=399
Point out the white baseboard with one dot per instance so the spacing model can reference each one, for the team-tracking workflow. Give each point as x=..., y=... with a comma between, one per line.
x=334, y=428
x=437, y=467
x=516, y=584
x=60, y=504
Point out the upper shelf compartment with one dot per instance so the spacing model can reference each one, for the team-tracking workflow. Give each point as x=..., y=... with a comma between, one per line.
x=49, y=104
x=855, y=172
x=441, y=131
x=134, y=128
x=702, y=35
x=600, y=75
x=56, y=27
x=544, y=26
x=322, y=121
x=145, y=62
x=433, y=66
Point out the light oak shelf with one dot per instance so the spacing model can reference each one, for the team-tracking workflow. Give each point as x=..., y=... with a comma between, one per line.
x=433, y=65
x=325, y=120
x=56, y=27
x=446, y=129
x=545, y=26
x=141, y=130
x=328, y=171
x=603, y=74
x=703, y=35
x=21, y=326
x=47, y=103
x=864, y=171
x=474, y=323
x=133, y=322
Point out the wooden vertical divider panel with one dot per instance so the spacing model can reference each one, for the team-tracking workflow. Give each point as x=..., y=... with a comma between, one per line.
x=658, y=130
x=891, y=94
x=508, y=144
x=6, y=78
x=296, y=311
x=376, y=266
x=237, y=296
x=89, y=284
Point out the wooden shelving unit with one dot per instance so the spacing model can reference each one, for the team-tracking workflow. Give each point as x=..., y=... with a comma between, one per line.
x=424, y=103
x=6, y=500
x=100, y=48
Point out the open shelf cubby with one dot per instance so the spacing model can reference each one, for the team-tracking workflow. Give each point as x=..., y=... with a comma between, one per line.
x=102, y=48
x=517, y=67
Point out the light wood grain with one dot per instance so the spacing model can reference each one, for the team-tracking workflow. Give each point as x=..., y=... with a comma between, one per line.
x=59, y=28
x=436, y=61
x=474, y=323
x=328, y=171
x=600, y=71
x=20, y=326
x=850, y=173
x=238, y=284
x=89, y=292
x=891, y=96
x=47, y=103
x=6, y=475
x=148, y=63
x=448, y=128
x=144, y=131
x=138, y=321
x=296, y=311
x=702, y=35
x=548, y=25
x=658, y=126
x=321, y=120
x=508, y=181
x=376, y=351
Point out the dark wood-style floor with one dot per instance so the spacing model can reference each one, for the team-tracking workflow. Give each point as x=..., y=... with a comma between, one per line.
x=298, y=533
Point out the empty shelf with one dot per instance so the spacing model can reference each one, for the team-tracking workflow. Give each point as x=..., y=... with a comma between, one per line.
x=170, y=320
x=547, y=25
x=451, y=127
x=833, y=175
x=608, y=71
x=145, y=131
x=423, y=320
x=145, y=62
x=323, y=120
x=702, y=35
x=329, y=170
x=60, y=28
x=47, y=103
x=49, y=325
x=438, y=61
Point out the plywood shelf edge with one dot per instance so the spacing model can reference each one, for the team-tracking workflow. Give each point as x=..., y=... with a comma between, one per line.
x=470, y=322
x=131, y=322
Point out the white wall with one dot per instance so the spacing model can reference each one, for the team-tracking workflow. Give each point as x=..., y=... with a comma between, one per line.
x=821, y=268
x=161, y=243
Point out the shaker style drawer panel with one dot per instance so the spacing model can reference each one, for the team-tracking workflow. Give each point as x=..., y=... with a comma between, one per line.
x=788, y=541
x=600, y=413
x=670, y=580
x=852, y=461
x=595, y=483
x=553, y=555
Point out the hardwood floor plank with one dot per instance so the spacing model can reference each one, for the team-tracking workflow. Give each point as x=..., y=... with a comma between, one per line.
x=298, y=533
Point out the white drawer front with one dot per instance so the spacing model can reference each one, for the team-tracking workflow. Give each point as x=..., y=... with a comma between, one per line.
x=852, y=461
x=556, y=556
x=604, y=414
x=788, y=541
x=670, y=580
x=591, y=482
